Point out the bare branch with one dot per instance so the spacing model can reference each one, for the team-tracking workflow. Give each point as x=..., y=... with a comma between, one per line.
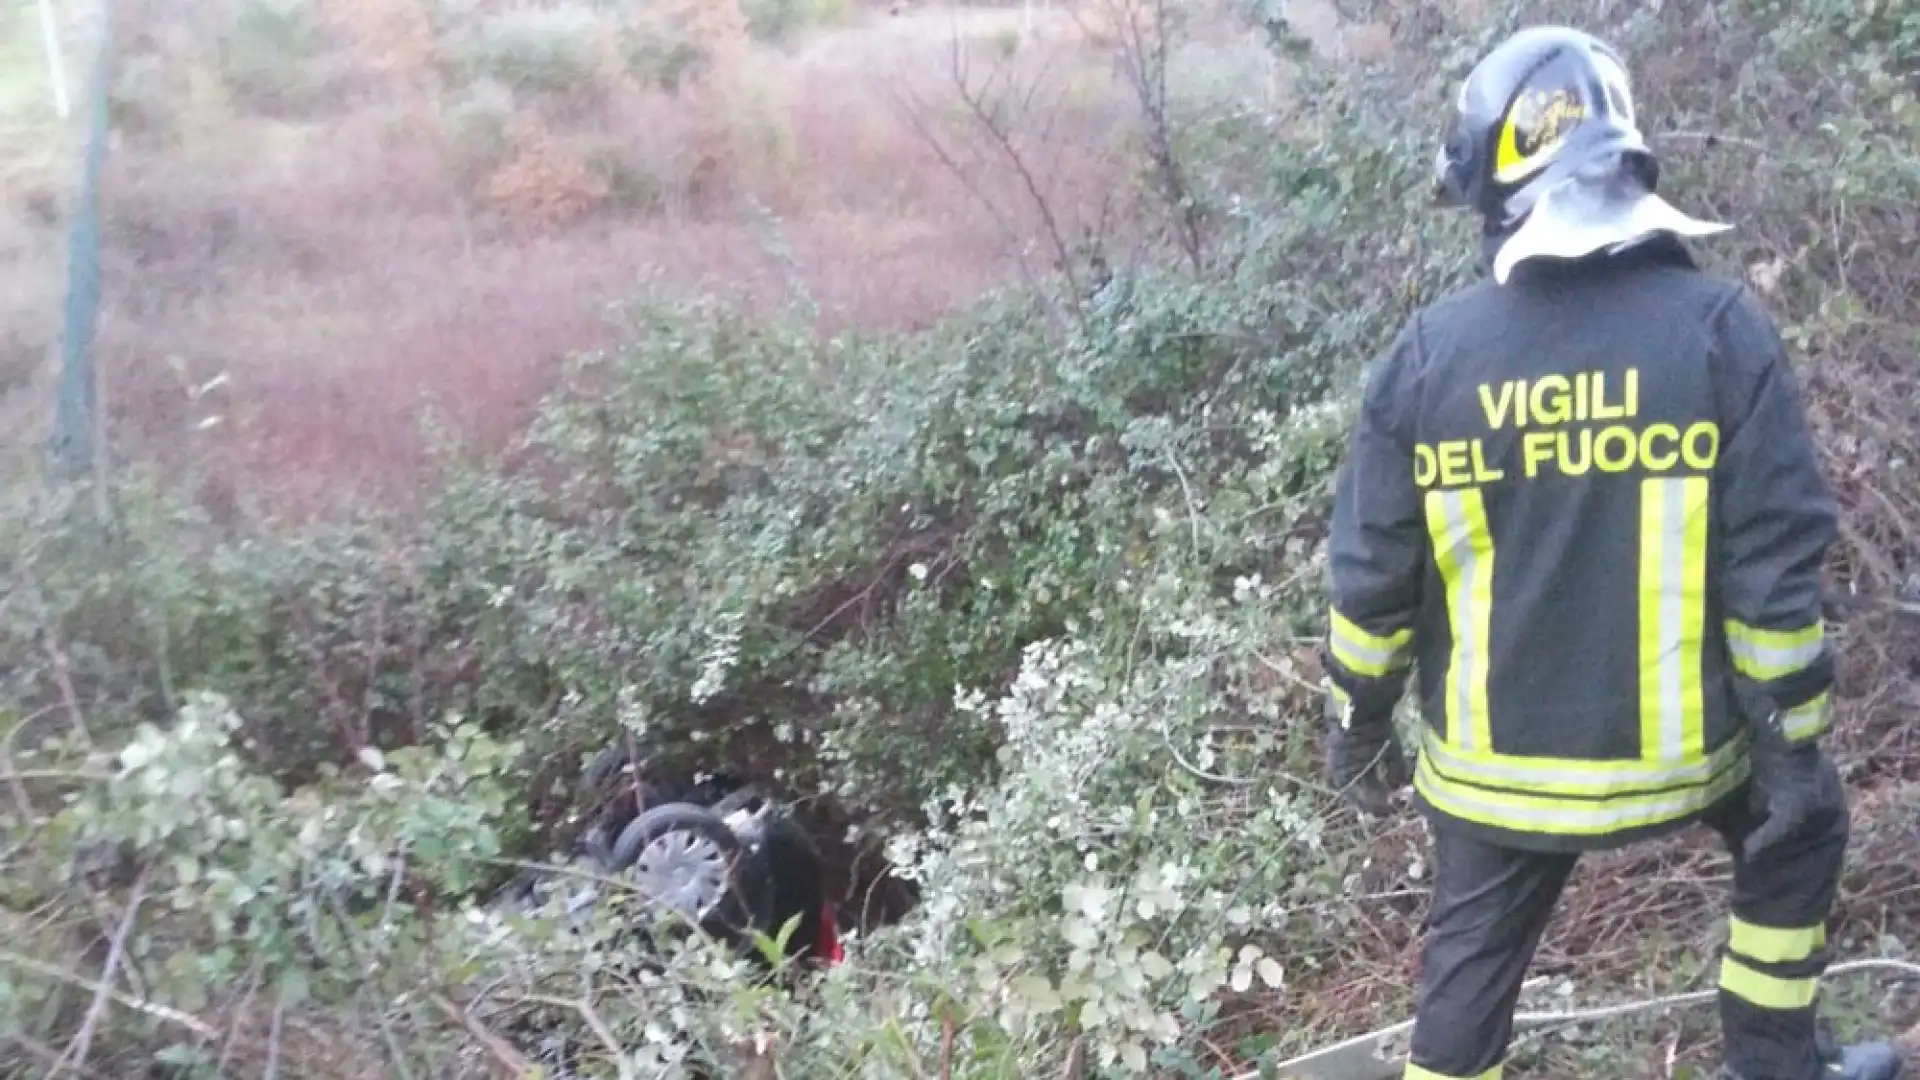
x=911, y=116
x=994, y=106
x=272, y=1069
x=584, y=1009
x=63, y=679
x=158, y=1012
x=1000, y=133
x=82, y=1042
x=15, y=779
x=237, y=1010
x=1142, y=52
x=45, y=1053
x=512, y=1063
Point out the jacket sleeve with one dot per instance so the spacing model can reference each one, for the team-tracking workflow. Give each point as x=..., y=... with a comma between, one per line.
x=1778, y=519
x=1378, y=544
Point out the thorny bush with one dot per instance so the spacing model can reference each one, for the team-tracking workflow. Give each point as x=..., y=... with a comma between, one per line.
x=1022, y=604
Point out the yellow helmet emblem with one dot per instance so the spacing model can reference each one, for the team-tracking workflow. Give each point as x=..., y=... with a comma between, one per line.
x=1536, y=127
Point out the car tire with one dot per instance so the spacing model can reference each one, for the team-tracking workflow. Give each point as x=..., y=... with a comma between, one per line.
x=681, y=855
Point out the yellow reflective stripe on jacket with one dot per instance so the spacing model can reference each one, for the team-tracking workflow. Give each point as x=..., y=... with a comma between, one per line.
x=1545, y=812
x=1773, y=654
x=1673, y=616
x=1550, y=777
x=1463, y=547
x=1365, y=653
x=1775, y=944
x=1806, y=721
x=1415, y=1072
x=1767, y=991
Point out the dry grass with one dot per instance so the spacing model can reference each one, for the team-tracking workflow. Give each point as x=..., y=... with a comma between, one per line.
x=337, y=210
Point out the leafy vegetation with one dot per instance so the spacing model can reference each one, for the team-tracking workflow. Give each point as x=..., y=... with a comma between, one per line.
x=1020, y=608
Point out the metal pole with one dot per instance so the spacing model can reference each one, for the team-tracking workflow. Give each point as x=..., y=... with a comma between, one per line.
x=56, y=63
x=75, y=435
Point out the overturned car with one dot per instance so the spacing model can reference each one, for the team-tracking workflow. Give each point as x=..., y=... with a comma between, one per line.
x=713, y=850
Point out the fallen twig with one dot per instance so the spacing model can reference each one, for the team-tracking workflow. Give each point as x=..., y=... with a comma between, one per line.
x=513, y=1062
x=238, y=1012
x=82, y=1042
x=46, y=1053
x=274, y=1028
x=584, y=1009
x=159, y=1012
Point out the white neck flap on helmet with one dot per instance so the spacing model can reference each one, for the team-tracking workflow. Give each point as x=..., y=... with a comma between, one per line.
x=1587, y=213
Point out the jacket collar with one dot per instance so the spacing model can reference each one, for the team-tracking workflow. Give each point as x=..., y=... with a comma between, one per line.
x=1657, y=249
x=1662, y=248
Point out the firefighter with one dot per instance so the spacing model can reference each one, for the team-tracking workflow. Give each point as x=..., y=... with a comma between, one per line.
x=1582, y=503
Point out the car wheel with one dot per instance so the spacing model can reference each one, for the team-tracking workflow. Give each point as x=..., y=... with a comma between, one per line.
x=681, y=856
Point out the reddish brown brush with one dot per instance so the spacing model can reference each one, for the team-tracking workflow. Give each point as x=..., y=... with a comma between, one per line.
x=346, y=262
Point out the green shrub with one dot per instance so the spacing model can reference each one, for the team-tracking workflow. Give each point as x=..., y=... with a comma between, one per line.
x=779, y=20
x=631, y=186
x=138, y=100
x=1025, y=591
x=477, y=133
x=662, y=52
x=270, y=56
x=555, y=49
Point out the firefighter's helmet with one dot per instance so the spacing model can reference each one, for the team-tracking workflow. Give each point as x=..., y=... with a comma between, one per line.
x=1547, y=104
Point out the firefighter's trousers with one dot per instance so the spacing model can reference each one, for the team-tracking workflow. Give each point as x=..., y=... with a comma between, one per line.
x=1491, y=905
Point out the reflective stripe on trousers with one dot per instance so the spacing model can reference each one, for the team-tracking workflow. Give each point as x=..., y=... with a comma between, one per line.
x=1415, y=1072
x=1775, y=968
x=1491, y=904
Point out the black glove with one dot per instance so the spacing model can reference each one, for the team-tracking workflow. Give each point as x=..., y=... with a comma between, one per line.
x=1365, y=762
x=1796, y=790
